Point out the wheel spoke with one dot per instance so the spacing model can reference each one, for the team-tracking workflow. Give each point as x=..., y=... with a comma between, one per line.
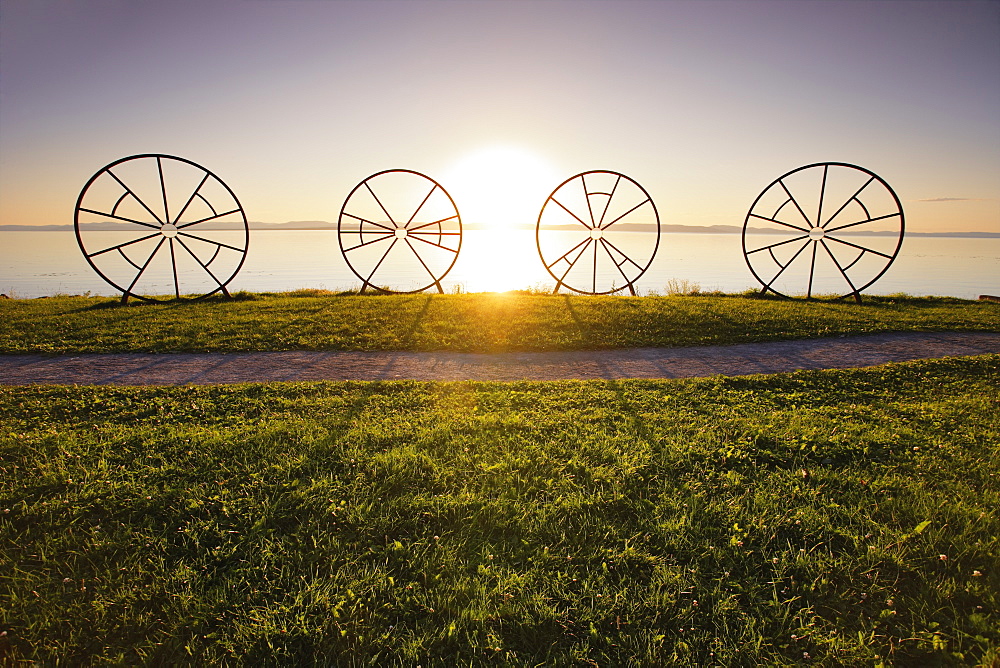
x=849, y=199
x=411, y=230
x=862, y=222
x=452, y=250
x=391, y=219
x=607, y=204
x=780, y=243
x=586, y=196
x=144, y=266
x=612, y=258
x=795, y=202
x=580, y=220
x=370, y=222
x=870, y=250
x=132, y=193
x=209, y=241
x=642, y=203
x=843, y=270
x=173, y=263
x=163, y=190
x=563, y=256
x=368, y=281
x=116, y=217
x=786, y=266
x=422, y=204
x=779, y=222
x=594, y=287
x=368, y=243
x=120, y=246
x=577, y=259
x=421, y=260
x=619, y=251
x=205, y=220
x=203, y=264
x=191, y=199
x=812, y=272
x=822, y=193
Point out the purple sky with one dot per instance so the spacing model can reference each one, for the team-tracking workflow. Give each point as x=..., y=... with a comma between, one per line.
x=704, y=103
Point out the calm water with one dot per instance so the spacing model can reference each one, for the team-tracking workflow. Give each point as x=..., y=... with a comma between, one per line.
x=34, y=264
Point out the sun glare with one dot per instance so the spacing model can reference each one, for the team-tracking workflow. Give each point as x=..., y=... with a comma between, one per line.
x=500, y=191
x=501, y=186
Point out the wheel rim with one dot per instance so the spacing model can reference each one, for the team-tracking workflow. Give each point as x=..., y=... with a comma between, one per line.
x=399, y=223
x=583, y=229
x=830, y=228
x=154, y=224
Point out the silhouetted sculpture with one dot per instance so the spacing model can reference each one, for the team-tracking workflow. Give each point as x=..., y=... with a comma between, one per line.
x=596, y=210
x=399, y=221
x=156, y=222
x=840, y=228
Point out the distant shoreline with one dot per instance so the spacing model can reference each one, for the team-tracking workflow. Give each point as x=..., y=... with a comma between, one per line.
x=631, y=227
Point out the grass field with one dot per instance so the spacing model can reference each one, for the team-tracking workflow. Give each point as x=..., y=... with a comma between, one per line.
x=829, y=518
x=308, y=320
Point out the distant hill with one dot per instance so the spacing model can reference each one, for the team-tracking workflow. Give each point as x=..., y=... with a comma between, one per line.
x=631, y=227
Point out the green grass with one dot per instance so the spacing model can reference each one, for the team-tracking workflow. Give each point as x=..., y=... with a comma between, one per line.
x=834, y=517
x=468, y=323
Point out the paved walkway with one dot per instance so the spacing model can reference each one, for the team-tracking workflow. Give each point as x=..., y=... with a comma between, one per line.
x=735, y=360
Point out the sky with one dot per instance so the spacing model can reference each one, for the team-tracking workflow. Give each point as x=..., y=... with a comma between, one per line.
x=294, y=102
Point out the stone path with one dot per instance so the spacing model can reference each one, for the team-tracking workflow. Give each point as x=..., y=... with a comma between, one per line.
x=734, y=360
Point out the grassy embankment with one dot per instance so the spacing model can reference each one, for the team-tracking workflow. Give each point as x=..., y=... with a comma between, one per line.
x=467, y=323
x=837, y=517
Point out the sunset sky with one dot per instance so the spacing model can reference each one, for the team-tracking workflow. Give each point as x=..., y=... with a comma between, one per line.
x=293, y=103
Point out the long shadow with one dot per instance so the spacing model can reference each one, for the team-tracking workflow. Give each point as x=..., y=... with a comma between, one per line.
x=139, y=311
x=586, y=332
x=116, y=304
x=730, y=324
x=408, y=337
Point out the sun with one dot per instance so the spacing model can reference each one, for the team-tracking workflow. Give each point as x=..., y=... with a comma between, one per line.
x=501, y=186
x=500, y=191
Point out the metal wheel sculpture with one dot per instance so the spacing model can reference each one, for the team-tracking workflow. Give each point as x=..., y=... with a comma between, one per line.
x=156, y=224
x=584, y=233
x=399, y=227
x=830, y=228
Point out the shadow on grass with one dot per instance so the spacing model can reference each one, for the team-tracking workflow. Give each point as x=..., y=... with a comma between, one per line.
x=216, y=298
x=408, y=336
x=893, y=300
x=586, y=332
